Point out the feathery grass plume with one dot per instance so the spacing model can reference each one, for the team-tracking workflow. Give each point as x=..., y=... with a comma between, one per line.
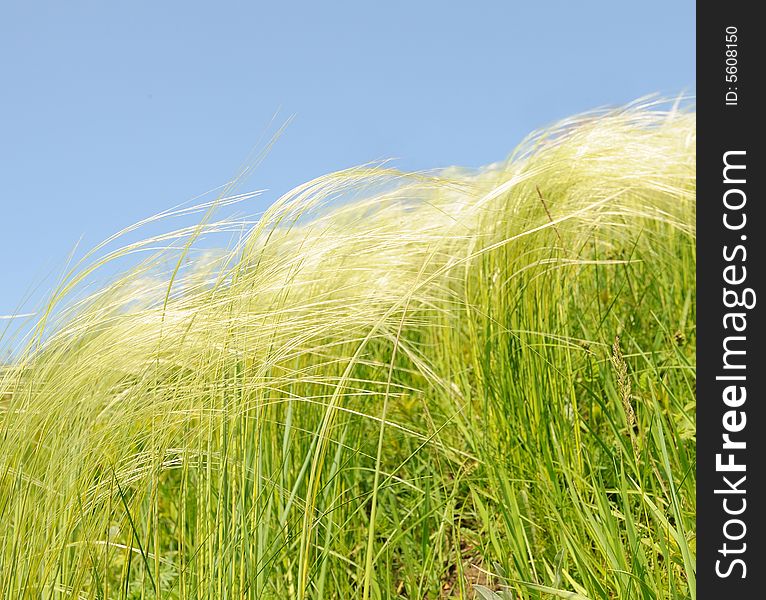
x=393, y=385
x=623, y=389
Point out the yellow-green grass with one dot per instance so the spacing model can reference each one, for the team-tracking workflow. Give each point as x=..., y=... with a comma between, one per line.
x=393, y=385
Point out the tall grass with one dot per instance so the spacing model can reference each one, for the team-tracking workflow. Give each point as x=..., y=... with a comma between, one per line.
x=392, y=385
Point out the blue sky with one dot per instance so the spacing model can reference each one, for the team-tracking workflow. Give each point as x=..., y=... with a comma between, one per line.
x=112, y=112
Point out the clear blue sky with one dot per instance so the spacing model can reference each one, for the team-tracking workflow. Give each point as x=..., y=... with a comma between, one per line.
x=114, y=111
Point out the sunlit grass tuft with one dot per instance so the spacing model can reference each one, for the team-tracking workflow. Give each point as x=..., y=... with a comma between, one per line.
x=392, y=385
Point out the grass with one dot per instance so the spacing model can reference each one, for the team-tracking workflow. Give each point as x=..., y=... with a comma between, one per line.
x=391, y=385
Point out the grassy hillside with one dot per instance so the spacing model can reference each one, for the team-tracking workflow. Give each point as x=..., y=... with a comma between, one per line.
x=393, y=385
